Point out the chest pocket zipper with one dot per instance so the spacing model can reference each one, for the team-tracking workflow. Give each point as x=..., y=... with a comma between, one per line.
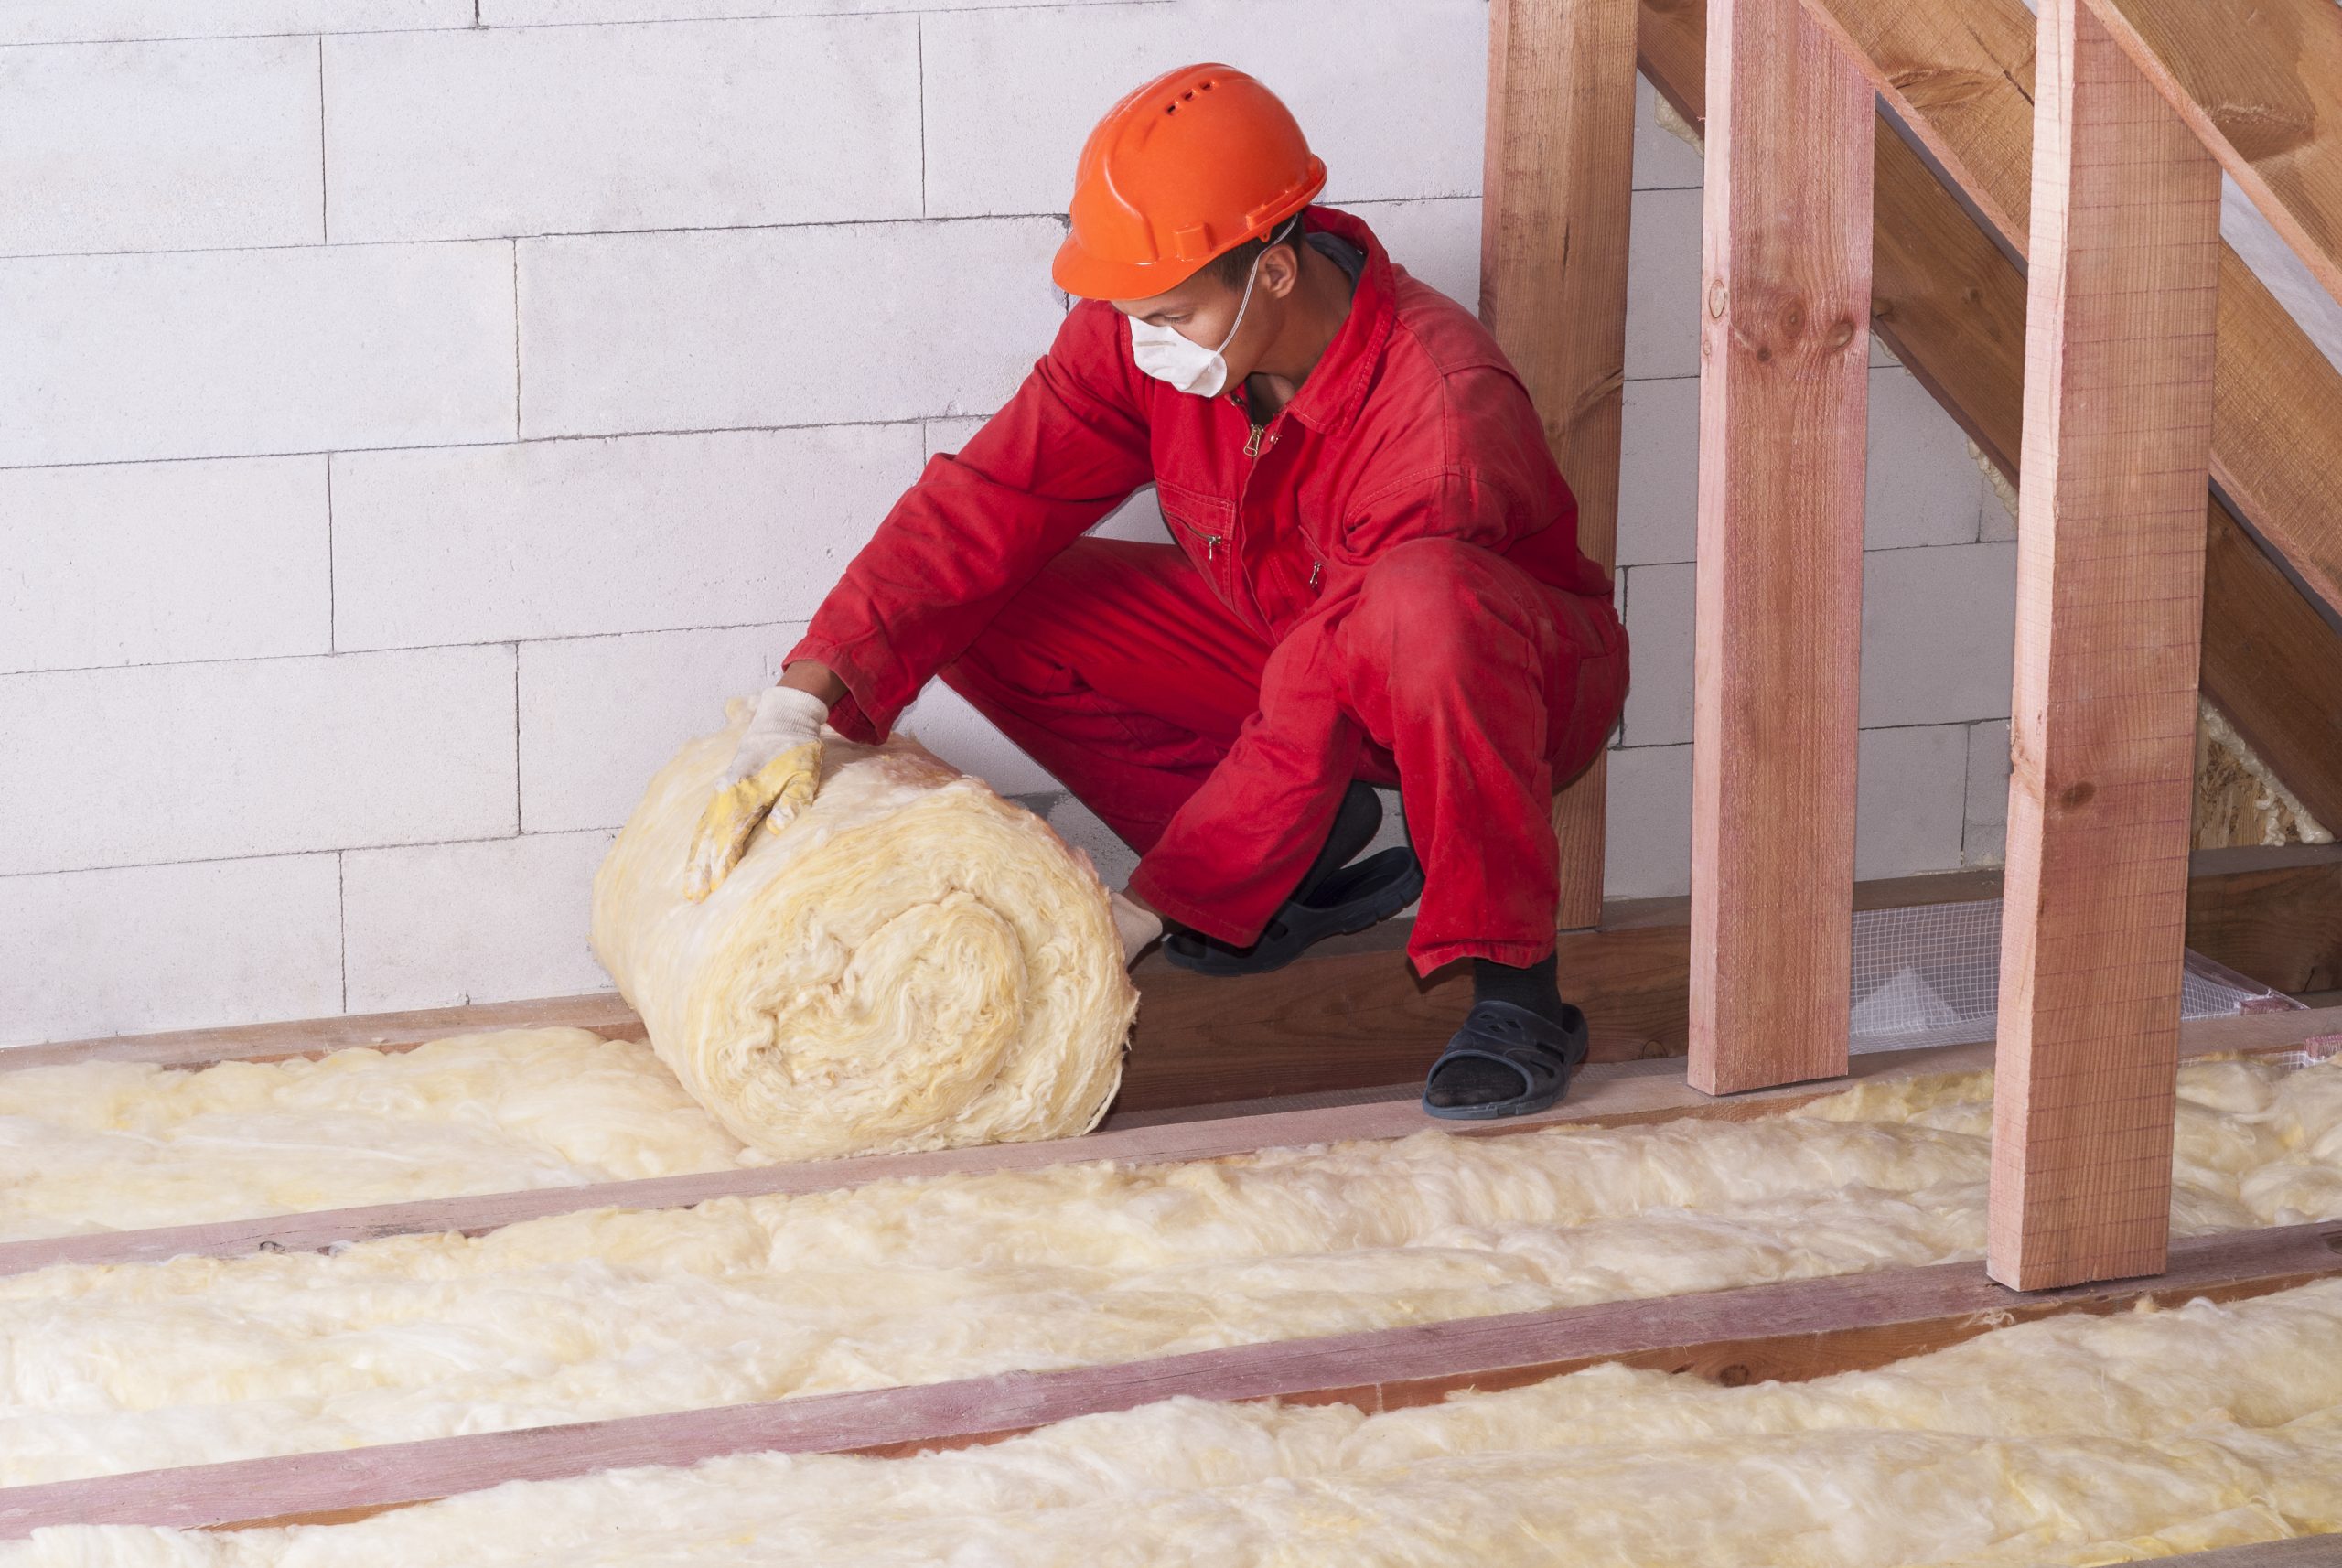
x=1212, y=541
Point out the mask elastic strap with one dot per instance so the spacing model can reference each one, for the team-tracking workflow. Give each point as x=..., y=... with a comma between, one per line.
x=1251, y=278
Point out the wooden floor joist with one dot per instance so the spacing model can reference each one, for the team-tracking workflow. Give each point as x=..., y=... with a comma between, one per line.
x=1784, y=379
x=1557, y=194
x=2118, y=429
x=1606, y=1094
x=1951, y=306
x=1797, y=1329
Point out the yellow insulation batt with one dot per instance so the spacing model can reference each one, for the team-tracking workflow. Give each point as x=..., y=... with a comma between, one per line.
x=912, y=962
x=611, y=1312
x=2072, y=1440
x=124, y=1146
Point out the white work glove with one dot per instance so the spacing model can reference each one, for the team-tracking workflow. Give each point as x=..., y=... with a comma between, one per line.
x=1137, y=926
x=773, y=776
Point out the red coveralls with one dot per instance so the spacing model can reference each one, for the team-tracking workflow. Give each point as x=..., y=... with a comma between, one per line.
x=1382, y=581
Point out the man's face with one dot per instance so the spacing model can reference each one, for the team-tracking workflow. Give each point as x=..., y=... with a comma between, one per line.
x=1202, y=309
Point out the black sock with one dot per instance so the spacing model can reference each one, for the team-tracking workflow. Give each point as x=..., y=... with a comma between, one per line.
x=1472, y=1081
x=1537, y=987
x=1355, y=822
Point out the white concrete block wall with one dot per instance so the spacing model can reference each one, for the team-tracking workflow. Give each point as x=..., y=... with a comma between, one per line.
x=417, y=416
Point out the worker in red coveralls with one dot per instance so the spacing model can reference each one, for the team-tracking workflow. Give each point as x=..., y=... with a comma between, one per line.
x=1374, y=577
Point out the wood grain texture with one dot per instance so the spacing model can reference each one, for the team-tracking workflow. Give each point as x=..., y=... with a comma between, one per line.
x=2260, y=83
x=2302, y=1552
x=1951, y=306
x=1961, y=73
x=2124, y=296
x=1784, y=379
x=1797, y=1329
x=1557, y=185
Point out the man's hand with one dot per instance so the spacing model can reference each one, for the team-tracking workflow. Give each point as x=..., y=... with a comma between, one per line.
x=773, y=776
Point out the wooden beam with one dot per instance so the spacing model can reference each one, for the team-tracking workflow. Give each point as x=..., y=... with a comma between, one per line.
x=1793, y=1330
x=2125, y=296
x=1959, y=72
x=2260, y=83
x=1606, y=1094
x=1951, y=306
x=2301, y=1552
x=1557, y=184
x=1784, y=379
x=1353, y=1015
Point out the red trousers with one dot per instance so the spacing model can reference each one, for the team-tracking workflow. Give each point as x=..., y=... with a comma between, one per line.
x=1455, y=675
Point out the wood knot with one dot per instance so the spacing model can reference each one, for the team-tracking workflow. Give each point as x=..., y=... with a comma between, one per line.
x=2074, y=795
x=1841, y=334
x=1716, y=296
x=1734, y=1376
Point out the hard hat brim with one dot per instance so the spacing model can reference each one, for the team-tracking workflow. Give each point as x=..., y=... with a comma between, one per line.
x=1088, y=276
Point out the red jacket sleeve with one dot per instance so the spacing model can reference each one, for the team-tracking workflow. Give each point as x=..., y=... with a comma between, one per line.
x=975, y=527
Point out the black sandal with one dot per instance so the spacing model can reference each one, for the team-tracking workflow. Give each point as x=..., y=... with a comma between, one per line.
x=1351, y=899
x=1541, y=1051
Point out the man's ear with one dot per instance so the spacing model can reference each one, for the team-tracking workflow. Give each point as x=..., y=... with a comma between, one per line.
x=1281, y=270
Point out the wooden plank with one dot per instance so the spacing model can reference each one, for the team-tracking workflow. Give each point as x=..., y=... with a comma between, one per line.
x=1951, y=306
x=1792, y=1330
x=2277, y=917
x=1959, y=72
x=1558, y=178
x=1604, y=1095
x=2302, y=1552
x=2124, y=292
x=1354, y=1015
x=1784, y=379
x=2260, y=83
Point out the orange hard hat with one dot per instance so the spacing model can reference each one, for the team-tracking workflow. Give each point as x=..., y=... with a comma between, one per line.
x=1194, y=163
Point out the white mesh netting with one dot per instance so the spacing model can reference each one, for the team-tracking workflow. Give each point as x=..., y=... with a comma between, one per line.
x=1931, y=976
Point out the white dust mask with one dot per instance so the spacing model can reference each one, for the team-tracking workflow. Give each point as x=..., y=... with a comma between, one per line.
x=1169, y=358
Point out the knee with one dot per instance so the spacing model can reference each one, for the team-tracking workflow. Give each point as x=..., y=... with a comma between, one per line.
x=1423, y=600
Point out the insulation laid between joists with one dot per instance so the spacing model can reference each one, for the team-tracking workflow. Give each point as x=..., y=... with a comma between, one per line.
x=610, y=1313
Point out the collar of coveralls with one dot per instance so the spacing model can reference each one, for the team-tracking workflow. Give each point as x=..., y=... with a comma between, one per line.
x=1329, y=399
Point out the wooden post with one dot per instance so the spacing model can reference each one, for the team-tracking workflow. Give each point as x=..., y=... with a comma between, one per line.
x=1777, y=624
x=2122, y=309
x=1557, y=185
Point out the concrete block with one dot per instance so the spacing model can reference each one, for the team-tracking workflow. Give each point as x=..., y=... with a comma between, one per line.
x=444, y=924
x=88, y=21
x=1663, y=160
x=1922, y=485
x=637, y=533
x=155, y=563
x=786, y=119
x=231, y=353
x=1985, y=842
x=1658, y=472
x=1938, y=634
x=1663, y=285
x=1011, y=94
x=600, y=714
x=814, y=325
x=158, y=146
x=1659, y=633
x=1647, y=824
x=1438, y=240
x=1910, y=784
x=173, y=762
x=524, y=13
x=168, y=947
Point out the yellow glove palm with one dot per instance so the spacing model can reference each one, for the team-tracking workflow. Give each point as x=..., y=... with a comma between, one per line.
x=773, y=777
